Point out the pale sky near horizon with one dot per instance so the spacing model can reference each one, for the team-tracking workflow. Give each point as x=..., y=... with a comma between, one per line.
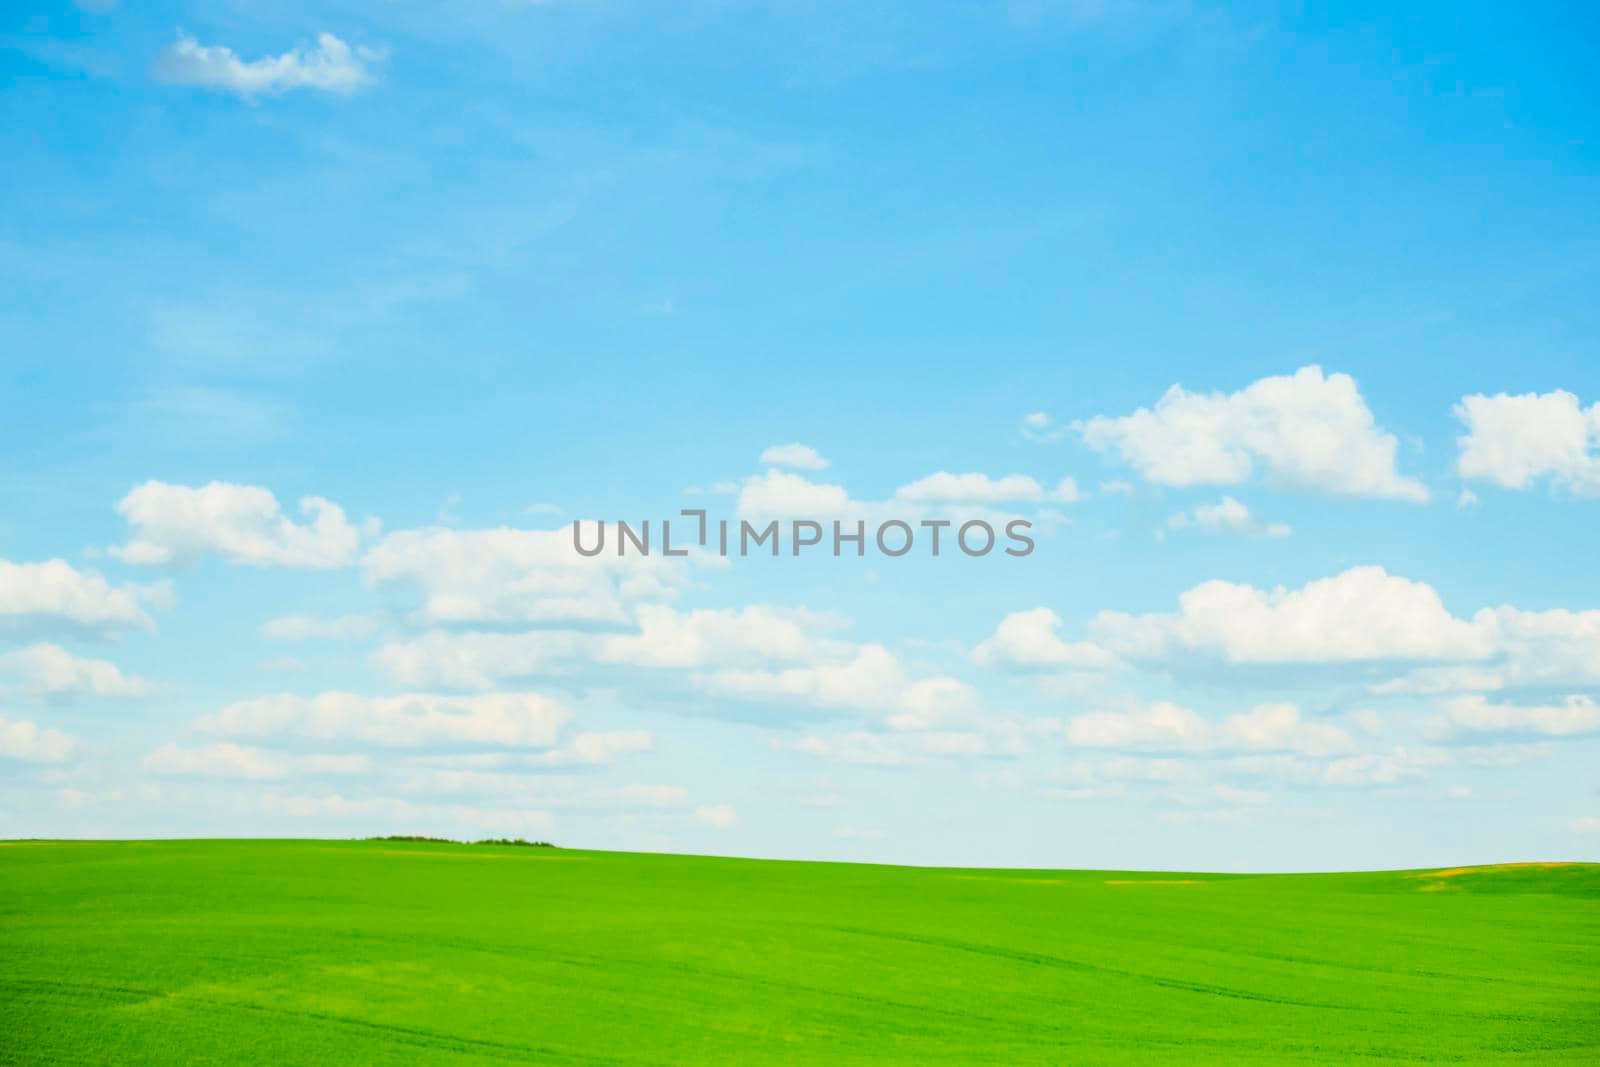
x=321, y=323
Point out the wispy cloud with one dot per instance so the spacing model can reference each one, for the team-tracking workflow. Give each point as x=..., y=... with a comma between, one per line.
x=332, y=66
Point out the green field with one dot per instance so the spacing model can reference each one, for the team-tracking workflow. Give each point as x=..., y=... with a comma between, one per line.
x=300, y=952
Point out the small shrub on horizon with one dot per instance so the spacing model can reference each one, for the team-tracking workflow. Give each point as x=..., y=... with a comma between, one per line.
x=518, y=842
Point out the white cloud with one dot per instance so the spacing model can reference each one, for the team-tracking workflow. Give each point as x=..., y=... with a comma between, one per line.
x=1512, y=441
x=1577, y=716
x=1530, y=649
x=942, y=487
x=1309, y=430
x=1586, y=824
x=666, y=639
x=23, y=740
x=508, y=576
x=721, y=816
x=480, y=660
x=1227, y=514
x=227, y=760
x=797, y=456
x=332, y=66
x=972, y=488
x=1065, y=492
x=1166, y=727
x=1279, y=728
x=669, y=638
x=240, y=523
x=1028, y=639
x=871, y=679
x=52, y=671
x=1161, y=726
x=53, y=595
x=779, y=494
x=1364, y=613
x=1040, y=427
x=513, y=719
x=308, y=628
x=1380, y=768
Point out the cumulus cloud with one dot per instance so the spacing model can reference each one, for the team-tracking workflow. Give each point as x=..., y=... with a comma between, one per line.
x=1577, y=716
x=55, y=596
x=1364, y=613
x=514, y=719
x=482, y=659
x=332, y=66
x=779, y=494
x=51, y=671
x=240, y=523
x=1166, y=727
x=1530, y=650
x=797, y=456
x=1513, y=441
x=942, y=487
x=510, y=576
x=699, y=638
x=227, y=760
x=23, y=740
x=872, y=680
x=1309, y=430
x=1226, y=515
x=1028, y=639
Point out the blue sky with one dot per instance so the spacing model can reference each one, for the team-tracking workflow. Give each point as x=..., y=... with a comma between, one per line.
x=320, y=324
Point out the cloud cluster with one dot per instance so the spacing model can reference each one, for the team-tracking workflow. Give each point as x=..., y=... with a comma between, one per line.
x=50, y=671
x=509, y=576
x=1171, y=728
x=240, y=523
x=1309, y=430
x=1362, y=614
x=978, y=488
x=55, y=596
x=26, y=741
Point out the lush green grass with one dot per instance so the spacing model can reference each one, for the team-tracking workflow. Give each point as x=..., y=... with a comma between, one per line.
x=298, y=952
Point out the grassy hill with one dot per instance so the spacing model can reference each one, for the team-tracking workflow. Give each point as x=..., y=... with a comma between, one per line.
x=387, y=952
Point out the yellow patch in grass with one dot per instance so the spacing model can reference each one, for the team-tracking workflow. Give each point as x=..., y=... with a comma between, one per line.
x=1455, y=872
